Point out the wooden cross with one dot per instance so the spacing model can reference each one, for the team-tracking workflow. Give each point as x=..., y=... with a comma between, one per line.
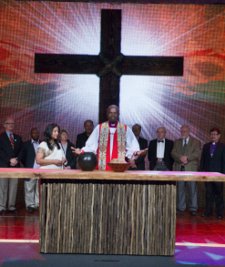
x=110, y=64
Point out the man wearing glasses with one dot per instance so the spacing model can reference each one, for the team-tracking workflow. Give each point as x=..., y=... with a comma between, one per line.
x=10, y=147
x=213, y=160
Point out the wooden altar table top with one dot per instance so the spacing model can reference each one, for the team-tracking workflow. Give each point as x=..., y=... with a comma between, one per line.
x=169, y=176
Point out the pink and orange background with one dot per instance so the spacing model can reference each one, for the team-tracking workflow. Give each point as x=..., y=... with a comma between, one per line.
x=196, y=32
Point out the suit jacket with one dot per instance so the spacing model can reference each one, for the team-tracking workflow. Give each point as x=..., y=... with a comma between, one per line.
x=152, y=153
x=216, y=163
x=140, y=162
x=28, y=154
x=192, y=151
x=6, y=150
x=81, y=140
x=71, y=158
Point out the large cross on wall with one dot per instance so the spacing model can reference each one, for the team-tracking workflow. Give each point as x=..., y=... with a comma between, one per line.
x=110, y=64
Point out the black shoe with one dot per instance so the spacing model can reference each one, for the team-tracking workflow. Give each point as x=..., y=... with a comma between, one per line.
x=219, y=217
x=180, y=212
x=206, y=214
x=193, y=213
x=30, y=209
x=13, y=212
x=2, y=212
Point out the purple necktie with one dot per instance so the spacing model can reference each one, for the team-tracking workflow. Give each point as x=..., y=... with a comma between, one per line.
x=212, y=149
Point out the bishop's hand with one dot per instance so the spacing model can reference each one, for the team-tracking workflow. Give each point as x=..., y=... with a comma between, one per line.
x=76, y=151
x=140, y=153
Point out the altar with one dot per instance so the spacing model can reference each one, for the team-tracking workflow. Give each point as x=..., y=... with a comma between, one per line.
x=130, y=213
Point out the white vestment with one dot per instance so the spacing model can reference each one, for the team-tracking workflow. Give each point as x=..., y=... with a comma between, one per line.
x=132, y=144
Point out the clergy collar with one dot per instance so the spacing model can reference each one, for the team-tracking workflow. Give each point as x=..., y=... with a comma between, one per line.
x=113, y=124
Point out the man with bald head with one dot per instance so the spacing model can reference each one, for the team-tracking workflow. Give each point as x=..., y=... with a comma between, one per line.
x=10, y=148
x=159, y=151
x=83, y=137
x=31, y=190
x=186, y=153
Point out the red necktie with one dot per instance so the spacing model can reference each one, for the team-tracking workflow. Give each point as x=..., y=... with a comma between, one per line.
x=11, y=139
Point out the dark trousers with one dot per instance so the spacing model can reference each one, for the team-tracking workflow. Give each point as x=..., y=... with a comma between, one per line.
x=214, y=192
x=160, y=166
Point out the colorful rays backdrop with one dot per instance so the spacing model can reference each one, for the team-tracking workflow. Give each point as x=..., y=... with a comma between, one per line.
x=196, y=32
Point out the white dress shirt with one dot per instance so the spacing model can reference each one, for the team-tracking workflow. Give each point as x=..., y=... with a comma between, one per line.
x=160, y=150
x=35, y=145
x=187, y=140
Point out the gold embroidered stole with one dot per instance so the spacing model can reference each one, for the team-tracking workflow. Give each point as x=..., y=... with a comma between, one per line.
x=104, y=144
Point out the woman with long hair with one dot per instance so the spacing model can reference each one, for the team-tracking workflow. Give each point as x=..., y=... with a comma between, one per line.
x=50, y=153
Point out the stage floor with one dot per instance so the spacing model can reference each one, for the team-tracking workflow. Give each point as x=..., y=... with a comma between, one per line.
x=198, y=240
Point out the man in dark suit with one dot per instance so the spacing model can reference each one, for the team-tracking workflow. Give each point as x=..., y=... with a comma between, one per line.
x=159, y=152
x=213, y=160
x=83, y=137
x=28, y=154
x=143, y=143
x=10, y=148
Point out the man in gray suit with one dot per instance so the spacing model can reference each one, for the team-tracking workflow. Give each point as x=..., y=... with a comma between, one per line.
x=186, y=154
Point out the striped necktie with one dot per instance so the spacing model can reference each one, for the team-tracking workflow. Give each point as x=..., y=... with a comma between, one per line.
x=11, y=139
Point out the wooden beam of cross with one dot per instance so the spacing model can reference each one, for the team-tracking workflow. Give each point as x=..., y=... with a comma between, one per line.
x=110, y=64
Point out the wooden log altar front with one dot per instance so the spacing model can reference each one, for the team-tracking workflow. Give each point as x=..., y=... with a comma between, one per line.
x=132, y=213
x=105, y=217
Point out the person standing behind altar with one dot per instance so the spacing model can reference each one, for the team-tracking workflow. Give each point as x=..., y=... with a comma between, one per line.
x=213, y=160
x=31, y=188
x=111, y=139
x=50, y=154
x=159, y=152
x=186, y=154
x=143, y=143
x=10, y=148
x=83, y=137
x=66, y=147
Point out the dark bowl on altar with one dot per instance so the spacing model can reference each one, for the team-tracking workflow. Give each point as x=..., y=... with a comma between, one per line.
x=117, y=166
x=87, y=161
